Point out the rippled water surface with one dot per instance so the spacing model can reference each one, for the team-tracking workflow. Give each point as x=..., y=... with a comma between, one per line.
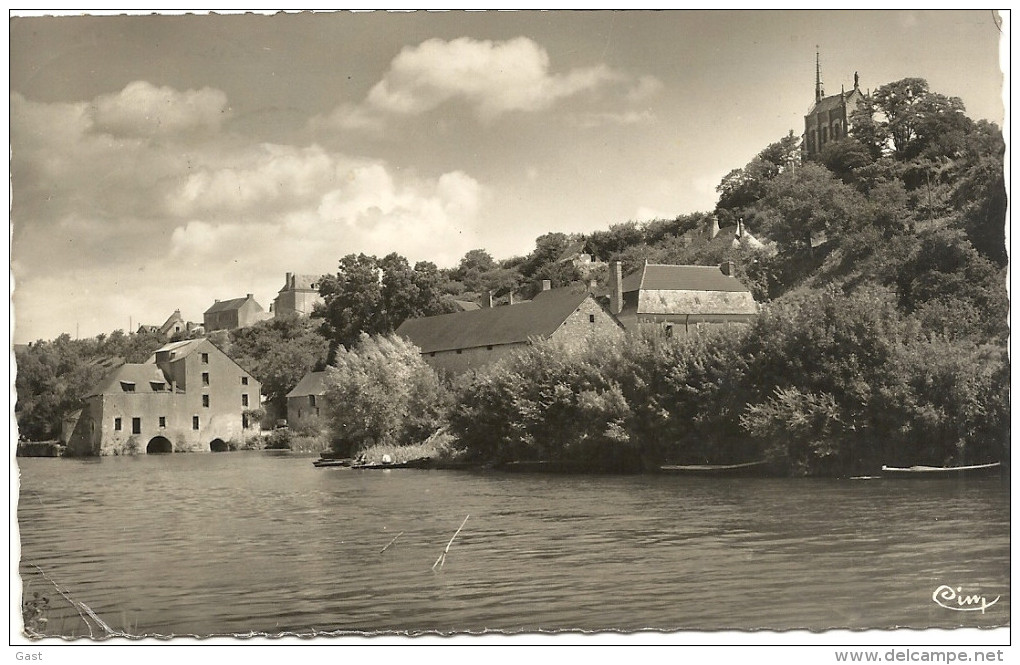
x=239, y=542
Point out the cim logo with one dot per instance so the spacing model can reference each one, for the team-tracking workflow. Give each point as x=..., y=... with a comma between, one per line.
x=953, y=599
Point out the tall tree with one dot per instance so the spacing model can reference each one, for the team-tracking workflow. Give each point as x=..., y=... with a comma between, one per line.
x=278, y=352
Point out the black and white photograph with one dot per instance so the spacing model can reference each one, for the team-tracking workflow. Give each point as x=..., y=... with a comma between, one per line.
x=492, y=327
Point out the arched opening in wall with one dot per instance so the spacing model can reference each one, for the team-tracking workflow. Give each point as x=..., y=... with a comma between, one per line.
x=218, y=446
x=159, y=445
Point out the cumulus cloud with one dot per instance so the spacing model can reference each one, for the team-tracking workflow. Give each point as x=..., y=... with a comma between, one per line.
x=118, y=223
x=492, y=78
x=142, y=109
x=495, y=77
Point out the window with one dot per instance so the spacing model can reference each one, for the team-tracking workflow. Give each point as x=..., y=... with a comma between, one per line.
x=162, y=422
x=244, y=420
x=205, y=378
x=127, y=386
x=299, y=414
x=205, y=358
x=311, y=400
x=116, y=424
x=460, y=351
x=432, y=355
x=835, y=131
x=194, y=422
x=136, y=425
x=205, y=401
x=488, y=348
x=157, y=386
x=316, y=412
x=244, y=380
x=591, y=318
x=244, y=399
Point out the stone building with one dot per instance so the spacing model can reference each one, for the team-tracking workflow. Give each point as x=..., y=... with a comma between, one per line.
x=189, y=396
x=462, y=341
x=174, y=325
x=235, y=313
x=829, y=117
x=305, y=402
x=679, y=297
x=299, y=295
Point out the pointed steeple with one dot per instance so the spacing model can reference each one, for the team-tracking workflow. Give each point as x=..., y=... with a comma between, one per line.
x=819, y=91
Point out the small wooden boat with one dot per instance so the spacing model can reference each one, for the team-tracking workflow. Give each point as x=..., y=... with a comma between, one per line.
x=921, y=471
x=719, y=470
x=324, y=462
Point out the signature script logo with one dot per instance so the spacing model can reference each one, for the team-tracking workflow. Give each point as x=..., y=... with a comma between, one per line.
x=954, y=599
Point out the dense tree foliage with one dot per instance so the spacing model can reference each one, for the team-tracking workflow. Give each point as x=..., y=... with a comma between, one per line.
x=53, y=377
x=278, y=352
x=374, y=296
x=382, y=392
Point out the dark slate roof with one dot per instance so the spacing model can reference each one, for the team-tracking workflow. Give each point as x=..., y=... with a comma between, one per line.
x=831, y=103
x=312, y=383
x=226, y=305
x=181, y=348
x=658, y=277
x=139, y=374
x=499, y=325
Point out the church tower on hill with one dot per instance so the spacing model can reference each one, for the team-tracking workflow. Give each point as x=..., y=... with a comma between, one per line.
x=829, y=117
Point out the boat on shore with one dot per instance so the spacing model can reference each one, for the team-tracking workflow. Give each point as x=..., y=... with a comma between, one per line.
x=715, y=470
x=923, y=472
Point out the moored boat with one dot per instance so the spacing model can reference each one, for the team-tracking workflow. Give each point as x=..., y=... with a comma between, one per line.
x=324, y=462
x=745, y=469
x=921, y=471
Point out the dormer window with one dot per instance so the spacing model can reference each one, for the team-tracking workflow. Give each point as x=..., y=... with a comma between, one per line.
x=157, y=386
x=127, y=386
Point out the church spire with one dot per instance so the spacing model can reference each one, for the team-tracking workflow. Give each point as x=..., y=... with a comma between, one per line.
x=819, y=91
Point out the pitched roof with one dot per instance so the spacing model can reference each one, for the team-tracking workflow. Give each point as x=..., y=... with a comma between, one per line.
x=305, y=282
x=312, y=383
x=227, y=305
x=658, y=277
x=181, y=349
x=497, y=325
x=831, y=103
x=467, y=305
x=171, y=320
x=141, y=376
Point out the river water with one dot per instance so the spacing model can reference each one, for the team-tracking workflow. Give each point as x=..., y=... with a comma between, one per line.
x=235, y=543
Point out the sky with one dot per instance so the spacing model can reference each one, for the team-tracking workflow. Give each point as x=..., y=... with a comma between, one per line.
x=161, y=162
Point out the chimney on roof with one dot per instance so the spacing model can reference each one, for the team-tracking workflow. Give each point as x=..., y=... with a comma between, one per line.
x=546, y=284
x=217, y=300
x=713, y=230
x=615, y=287
x=727, y=268
x=249, y=296
x=289, y=280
